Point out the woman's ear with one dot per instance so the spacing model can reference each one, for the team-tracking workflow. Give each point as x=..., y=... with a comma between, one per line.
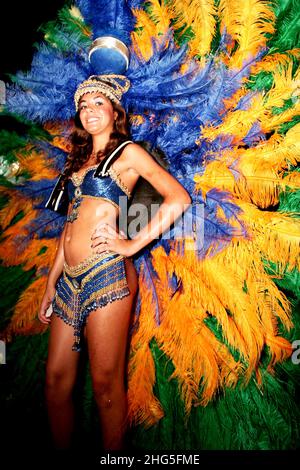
x=115, y=115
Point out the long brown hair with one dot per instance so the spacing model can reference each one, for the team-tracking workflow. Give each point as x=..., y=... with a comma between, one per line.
x=82, y=143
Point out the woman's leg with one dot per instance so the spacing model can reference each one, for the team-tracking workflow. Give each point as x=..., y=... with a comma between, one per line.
x=61, y=371
x=107, y=337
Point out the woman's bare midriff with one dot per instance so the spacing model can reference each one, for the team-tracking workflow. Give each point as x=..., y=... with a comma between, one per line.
x=77, y=242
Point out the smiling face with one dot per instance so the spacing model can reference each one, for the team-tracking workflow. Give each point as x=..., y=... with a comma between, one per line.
x=96, y=113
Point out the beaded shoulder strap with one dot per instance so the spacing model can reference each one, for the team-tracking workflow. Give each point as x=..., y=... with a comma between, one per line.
x=103, y=167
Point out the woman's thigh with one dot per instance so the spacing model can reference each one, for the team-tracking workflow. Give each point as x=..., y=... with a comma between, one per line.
x=107, y=331
x=62, y=362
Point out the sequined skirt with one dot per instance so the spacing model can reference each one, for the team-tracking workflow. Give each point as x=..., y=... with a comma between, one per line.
x=93, y=283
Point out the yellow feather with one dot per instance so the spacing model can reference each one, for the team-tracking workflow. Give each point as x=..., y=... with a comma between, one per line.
x=227, y=288
x=161, y=14
x=261, y=168
x=243, y=300
x=216, y=175
x=196, y=354
x=201, y=18
x=11, y=255
x=75, y=12
x=258, y=171
x=184, y=337
x=24, y=320
x=37, y=165
x=269, y=63
x=228, y=11
x=10, y=252
x=293, y=136
x=284, y=86
x=57, y=131
x=145, y=31
x=277, y=235
x=32, y=253
x=136, y=119
x=267, y=301
x=79, y=21
x=18, y=229
x=269, y=123
x=292, y=180
x=143, y=406
x=231, y=103
x=15, y=204
x=248, y=23
x=237, y=123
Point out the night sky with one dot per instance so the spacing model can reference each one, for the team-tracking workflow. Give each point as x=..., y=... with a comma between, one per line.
x=19, y=30
x=18, y=33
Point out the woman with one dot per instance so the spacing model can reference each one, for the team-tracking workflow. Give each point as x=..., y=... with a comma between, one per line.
x=92, y=283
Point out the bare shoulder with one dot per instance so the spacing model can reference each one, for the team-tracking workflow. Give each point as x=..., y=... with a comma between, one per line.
x=140, y=163
x=133, y=150
x=137, y=157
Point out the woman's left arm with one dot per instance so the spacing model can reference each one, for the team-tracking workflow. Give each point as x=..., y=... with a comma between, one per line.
x=175, y=201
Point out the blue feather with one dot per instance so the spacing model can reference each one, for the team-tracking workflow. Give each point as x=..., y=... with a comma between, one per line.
x=174, y=105
x=47, y=91
x=113, y=18
x=143, y=264
x=46, y=225
x=255, y=135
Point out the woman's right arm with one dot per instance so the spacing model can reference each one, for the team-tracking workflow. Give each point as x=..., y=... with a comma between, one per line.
x=53, y=276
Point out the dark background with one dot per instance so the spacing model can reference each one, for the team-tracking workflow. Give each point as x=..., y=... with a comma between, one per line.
x=19, y=30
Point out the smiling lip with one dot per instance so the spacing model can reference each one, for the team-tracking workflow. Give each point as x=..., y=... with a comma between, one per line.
x=93, y=120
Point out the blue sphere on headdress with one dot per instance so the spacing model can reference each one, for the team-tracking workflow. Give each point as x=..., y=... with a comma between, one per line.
x=108, y=54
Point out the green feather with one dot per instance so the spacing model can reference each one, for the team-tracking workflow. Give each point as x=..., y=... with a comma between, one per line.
x=66, y=32
x=287, y=26
x=13, y=282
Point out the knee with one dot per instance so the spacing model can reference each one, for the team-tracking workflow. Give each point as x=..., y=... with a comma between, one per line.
x=105, y=384
x=58, y=386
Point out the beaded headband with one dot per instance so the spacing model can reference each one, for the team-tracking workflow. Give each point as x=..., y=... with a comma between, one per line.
x=112, y=86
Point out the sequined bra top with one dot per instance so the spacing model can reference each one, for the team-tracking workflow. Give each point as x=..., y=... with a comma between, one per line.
x=109, y=188
x=99, y=181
